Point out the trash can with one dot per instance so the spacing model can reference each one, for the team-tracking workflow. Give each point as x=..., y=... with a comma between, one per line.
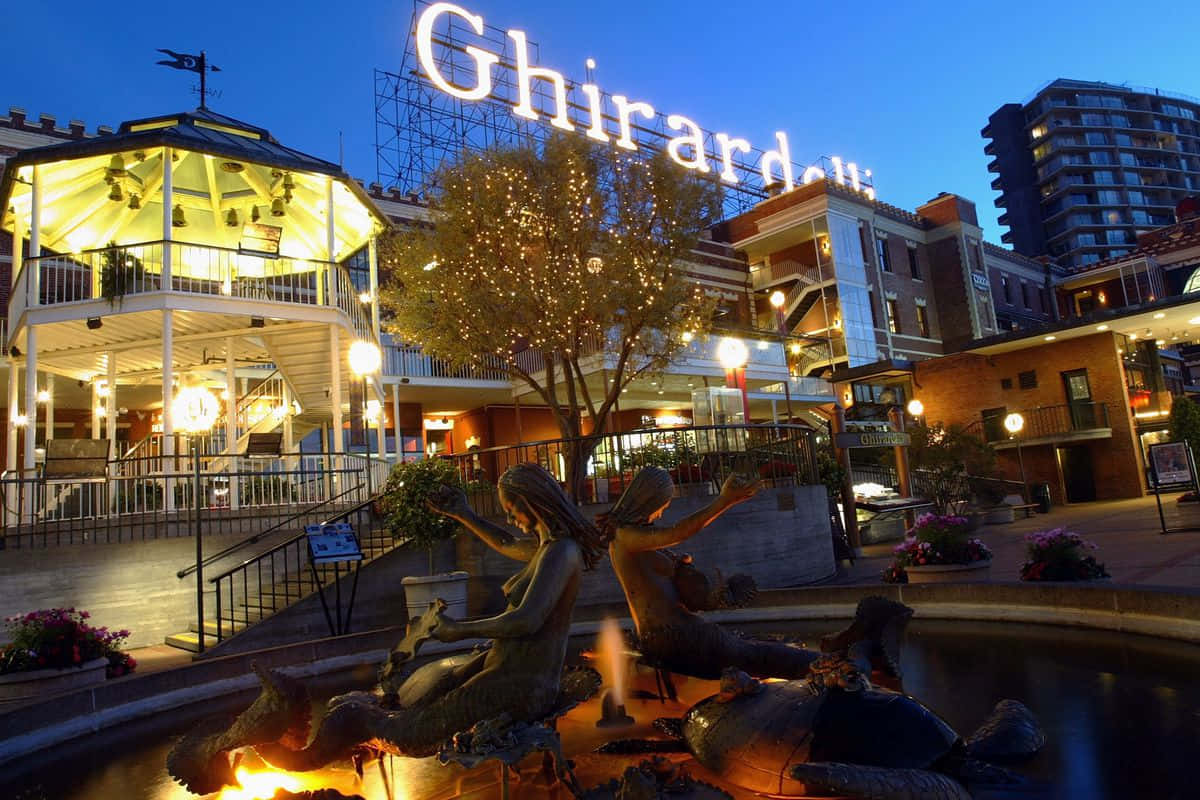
x=1040, y=494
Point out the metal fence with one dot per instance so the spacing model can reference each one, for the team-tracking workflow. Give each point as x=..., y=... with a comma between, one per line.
x=700, y=457
x=155, y=496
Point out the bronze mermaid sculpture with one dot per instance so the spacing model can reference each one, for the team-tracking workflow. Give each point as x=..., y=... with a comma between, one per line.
x=673, y=636
x=518, y=675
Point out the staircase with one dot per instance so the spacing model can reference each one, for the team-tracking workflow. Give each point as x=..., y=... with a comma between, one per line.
x=279, y=577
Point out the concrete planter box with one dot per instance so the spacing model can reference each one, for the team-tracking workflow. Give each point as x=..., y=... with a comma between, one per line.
x=949, y=573
x=23, y=685
x=419, y=592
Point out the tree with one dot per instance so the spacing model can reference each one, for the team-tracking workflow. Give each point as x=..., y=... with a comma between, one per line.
x=550, y=260
x=1185, y=423
x=947, y=458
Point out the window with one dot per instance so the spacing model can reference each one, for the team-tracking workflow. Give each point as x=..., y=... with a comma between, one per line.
x=1025, y=295
x=923, y=321
x=1096, y=137
x=1027, y=380
x=882, y=253
x=1103, y=176
x=893, y=314
x=1100, y=157
x=1007, y=289
x=914, y=266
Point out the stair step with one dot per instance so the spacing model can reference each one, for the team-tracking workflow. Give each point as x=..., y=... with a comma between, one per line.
x=188, y=640
x=210, y=628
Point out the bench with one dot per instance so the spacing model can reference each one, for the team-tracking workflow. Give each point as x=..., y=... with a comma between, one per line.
x=1029, y=509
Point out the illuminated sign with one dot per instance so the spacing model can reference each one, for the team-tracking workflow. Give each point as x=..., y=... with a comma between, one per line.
x=614, y=122
x=872, y=439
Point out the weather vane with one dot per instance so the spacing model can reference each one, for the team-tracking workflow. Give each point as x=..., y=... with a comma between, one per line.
x=191, y=63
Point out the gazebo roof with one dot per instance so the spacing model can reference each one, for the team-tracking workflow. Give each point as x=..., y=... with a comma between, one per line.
x=238, y=160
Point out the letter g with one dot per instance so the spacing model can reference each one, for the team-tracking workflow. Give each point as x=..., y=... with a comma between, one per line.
x=483, y=59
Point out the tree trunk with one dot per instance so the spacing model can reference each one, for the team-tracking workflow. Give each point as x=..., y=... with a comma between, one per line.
x=576, y=454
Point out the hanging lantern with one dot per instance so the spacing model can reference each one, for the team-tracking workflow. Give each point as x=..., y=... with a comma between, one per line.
x=116, y=168
x=177, y=218
x=135, y=201
x=231, y=218
x=115, y=194
x=254, y=215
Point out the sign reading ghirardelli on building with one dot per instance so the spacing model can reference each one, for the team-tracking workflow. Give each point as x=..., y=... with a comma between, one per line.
x=872, y=439
x=477, y=74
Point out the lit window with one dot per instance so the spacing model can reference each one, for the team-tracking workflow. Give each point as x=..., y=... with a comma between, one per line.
x=893, y=315
x=882, y=254
x=923, y=321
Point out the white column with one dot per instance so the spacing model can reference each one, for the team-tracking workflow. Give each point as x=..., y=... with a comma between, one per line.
x=95, y=409
x=168, y=377
x=49, y=406
x=331, y=244
x=373, y=264
x=30, y=395
x=14, y=408
x=111, y=421
x=335, y=389
x=288, y=443
x=231, y=437
x=168, y=199
x=396, y=421
x=34, y=296
x=382, y=423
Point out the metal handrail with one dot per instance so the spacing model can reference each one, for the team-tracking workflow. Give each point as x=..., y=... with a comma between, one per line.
x=233, y=548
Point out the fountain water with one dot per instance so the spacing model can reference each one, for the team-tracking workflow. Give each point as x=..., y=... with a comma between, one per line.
x=610, y=647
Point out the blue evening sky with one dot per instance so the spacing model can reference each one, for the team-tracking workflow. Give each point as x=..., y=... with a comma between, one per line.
x=900, y=87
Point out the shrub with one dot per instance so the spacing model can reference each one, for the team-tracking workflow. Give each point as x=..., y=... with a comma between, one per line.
x=935, y=539
x=59, y=638
x=1059, y=555
x=403, y=502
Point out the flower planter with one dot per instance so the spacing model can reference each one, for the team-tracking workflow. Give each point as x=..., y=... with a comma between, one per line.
x=419, y=592
x=23, y=685
x=974, y=572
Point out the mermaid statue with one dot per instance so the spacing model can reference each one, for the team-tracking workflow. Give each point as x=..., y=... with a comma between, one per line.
x=518, y=675
x=659, y=587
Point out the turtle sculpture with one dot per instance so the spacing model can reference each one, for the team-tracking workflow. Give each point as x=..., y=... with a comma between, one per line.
x=834, y=733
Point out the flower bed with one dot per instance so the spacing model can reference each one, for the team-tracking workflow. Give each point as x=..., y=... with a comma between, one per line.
x=936, y=540
x=1060, y=555
x=61, y=638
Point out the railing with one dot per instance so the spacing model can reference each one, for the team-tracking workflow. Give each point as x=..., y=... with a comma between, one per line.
x=273, y=580
x=155, y=499
x=705, y=455
x=120, y=271
x=410, y=361
x=786, y=270
x=1048, y=421
x=800, y=387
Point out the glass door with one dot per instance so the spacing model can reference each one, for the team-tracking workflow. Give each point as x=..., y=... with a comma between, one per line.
x=1081, y=409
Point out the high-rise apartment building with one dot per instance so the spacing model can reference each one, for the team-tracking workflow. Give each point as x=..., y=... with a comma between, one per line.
x=1083, y=167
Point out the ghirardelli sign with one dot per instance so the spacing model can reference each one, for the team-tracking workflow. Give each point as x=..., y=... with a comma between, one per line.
x=587, y=110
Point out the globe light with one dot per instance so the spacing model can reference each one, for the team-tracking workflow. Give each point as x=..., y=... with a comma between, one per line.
x=777, y=299
x=732, y=353
x=365, y=358
x=1014, y=422
x=915, y=407
x=194, y=409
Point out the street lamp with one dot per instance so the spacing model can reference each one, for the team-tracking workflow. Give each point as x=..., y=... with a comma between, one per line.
x=1014, y=423
x=916, y=408
x=193, y=411
x=365, y=360
x=777, y=300
x=733, y=355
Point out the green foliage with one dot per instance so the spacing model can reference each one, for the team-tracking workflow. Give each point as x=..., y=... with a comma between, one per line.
x=1185, y=423
x=403, y=501
x=121, y=273
x=547, y=254
x=948, y=457
x=830, y=471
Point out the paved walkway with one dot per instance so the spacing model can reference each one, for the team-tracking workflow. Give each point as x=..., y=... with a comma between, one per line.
x=1126, y=532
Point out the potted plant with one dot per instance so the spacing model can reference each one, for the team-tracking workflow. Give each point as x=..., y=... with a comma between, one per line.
x=54, y=650
x=1060, y=555
x=938, y=550
x=121, y=273
x=408, y=517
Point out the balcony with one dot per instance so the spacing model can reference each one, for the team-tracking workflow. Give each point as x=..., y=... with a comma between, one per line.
x=114, y=274
x=418, y=367
x=1061, y=424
